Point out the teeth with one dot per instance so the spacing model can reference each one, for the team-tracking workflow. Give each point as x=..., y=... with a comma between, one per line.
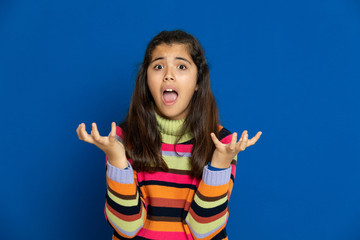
x=169, y=90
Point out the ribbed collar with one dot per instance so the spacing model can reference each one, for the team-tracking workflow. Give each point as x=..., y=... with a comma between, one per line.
x=170, y=130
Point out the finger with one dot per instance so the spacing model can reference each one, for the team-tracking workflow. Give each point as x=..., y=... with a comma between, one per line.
x=243, y=143
x=78, y=130
x=241, y=139
x=254, y=139
x=232, y=144
x=242, y=136
x=84, y=135
x=112, y=135
x=95, y=132
x=215, y=140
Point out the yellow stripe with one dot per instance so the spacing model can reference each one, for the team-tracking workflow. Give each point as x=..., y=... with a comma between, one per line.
x=126, y=203
x=211, y=204
x=180, y=163
x=127, y=226
x=202, y=228
x=170, y=139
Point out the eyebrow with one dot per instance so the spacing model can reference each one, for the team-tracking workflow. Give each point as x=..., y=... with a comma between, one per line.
x=178, y=58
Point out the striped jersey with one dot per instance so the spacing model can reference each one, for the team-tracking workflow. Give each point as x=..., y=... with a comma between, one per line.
x=171, y=204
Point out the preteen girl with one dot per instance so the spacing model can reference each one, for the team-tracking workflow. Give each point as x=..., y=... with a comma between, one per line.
x=170, y=165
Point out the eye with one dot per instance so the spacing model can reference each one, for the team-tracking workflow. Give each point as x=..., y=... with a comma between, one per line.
x=158, y=66
x=182, y=67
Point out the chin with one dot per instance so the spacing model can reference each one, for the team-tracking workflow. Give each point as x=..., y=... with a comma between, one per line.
x=169, y=116
x=172, y=114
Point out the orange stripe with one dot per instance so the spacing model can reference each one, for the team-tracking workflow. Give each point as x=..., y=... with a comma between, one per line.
x=165, y=226
x=212, y=191
x=114, y=238
x=168, y=192
x=124, y=189
x=231, y=184
x=214, y=234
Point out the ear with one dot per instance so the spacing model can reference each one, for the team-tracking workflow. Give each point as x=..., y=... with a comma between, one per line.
x=196, y=87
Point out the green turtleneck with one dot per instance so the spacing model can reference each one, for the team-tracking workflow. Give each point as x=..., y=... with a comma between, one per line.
x=170, y=130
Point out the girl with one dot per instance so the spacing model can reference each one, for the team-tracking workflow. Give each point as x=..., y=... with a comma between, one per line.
x=170, y=165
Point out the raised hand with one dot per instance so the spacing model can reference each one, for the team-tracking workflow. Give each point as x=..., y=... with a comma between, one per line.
x=225, y=153
x=113, y=149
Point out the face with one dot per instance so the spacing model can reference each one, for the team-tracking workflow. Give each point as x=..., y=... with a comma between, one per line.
x=172, y=77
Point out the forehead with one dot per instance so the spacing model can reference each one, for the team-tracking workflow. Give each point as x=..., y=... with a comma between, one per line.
x=171, y=50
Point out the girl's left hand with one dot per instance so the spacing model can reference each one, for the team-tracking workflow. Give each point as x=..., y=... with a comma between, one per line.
x=225, y=153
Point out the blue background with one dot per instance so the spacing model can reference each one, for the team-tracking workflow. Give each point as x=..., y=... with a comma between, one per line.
x=290, y=69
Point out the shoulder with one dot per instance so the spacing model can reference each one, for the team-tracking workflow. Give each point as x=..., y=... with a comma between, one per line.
x=224, y=135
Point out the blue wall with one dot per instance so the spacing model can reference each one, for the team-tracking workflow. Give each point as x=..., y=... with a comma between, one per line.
x=288, y=68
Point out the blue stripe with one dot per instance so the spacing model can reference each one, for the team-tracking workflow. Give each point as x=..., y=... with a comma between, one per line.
x=173, y=154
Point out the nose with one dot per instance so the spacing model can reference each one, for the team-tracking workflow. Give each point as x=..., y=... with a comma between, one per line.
x=169, y=75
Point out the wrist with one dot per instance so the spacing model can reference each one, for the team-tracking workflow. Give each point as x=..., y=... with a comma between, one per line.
x=218, y=161
x=219, y=164
x=121, y=163
x=211, y=168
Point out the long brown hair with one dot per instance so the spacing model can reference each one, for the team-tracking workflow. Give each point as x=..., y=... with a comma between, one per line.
x=142, y=138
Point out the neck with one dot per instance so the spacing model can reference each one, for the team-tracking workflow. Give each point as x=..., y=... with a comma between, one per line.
x=171, y=130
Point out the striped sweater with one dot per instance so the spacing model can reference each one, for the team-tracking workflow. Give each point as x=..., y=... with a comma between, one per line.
x=169, y=205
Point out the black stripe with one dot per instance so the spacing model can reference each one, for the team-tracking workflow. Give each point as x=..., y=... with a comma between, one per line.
x=221, y=235
x=234, y=162
x=118, y=236
x=122, y=209
x=224, y=133
x=208, y=212
x=165, y=211
x=189, y=142
x=167, y=184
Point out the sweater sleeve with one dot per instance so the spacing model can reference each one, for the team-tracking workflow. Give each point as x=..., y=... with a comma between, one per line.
x=125, y=208
x=209, y=210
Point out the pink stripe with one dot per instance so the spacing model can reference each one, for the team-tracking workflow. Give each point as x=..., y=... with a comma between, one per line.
x=119, y=132
x=233, y=169
x=226, y=139
x=167, y=177
x=179, y=147
x=164, y=235
x=130, y=161
x=170, y=147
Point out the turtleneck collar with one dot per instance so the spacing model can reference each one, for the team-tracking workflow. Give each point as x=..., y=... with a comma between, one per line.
x=170, y=130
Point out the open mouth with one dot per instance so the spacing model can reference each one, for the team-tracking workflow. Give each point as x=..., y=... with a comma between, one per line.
x=169, y=96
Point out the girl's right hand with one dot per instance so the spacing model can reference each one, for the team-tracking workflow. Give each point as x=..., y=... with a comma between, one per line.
x=113, y=149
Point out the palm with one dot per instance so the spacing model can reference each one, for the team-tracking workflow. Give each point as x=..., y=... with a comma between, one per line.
x=225, y=153
x=109, y=144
